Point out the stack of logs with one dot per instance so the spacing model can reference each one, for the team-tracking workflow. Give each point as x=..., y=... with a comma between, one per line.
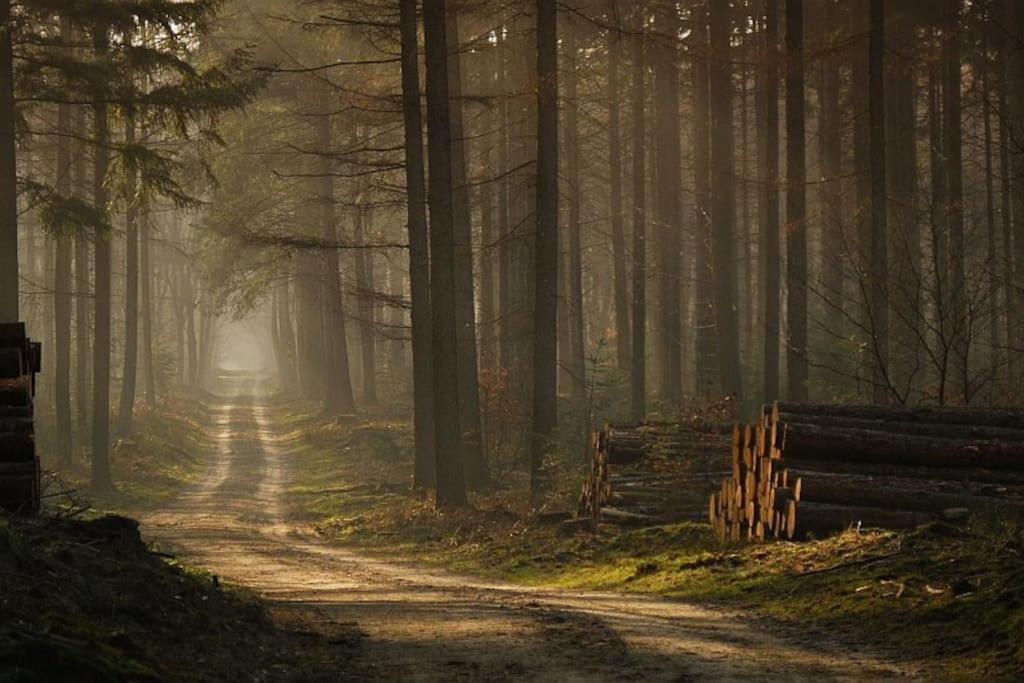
x=19, y=465
x=810, y=470
x=652, y=473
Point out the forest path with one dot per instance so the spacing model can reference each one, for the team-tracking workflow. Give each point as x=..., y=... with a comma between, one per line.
x=426, y=625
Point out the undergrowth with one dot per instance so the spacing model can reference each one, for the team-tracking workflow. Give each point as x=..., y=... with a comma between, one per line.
x=160, y=458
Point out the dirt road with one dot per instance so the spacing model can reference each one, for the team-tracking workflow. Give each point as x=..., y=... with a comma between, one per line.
x=424, y=625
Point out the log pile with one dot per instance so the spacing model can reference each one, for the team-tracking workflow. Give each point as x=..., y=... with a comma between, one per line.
x=19, y=465
x=652, y=473
x=809, y=470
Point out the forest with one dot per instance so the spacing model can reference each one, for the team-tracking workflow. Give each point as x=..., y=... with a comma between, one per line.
x=411, y=340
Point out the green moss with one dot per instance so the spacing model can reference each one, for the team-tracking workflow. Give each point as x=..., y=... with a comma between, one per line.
x=162, y=457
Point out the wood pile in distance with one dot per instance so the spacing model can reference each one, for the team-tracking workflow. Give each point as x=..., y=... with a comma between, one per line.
x=652, y=473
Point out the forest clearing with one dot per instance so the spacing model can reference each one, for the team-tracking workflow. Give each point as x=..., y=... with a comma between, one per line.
x=558, y=340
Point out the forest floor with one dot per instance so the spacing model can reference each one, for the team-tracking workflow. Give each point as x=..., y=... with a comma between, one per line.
x=251, y=519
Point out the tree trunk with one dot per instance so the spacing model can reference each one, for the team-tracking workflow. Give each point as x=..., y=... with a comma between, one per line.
x=307, y=283
x=638, y=368
x=938, y=224
x=396, y=323
x=623, y=350
x=707, y=381
x=473, y=457
x=1006, y=201
x=833, y=219
x=770, y=247
x=723, y=203
x=286, y=333
x=367, y=308
x=796, y=206
x=8, y=175
x=577, y=348
x=208, y=344
x=991, y=261
x=275, y=335
x=1015, y=121
x=506, y=327
x=449, y=477
x=62, y=285
x=904, y=228
x=955, y=199
x=338, y=398
x=102, y=294
x=667, y=209
x=126, y=407
x=879, y=269
x=488, y=242
x=546, y=245
x=83, y=294
x=146, y=283
x=190, y=328
x=419, y=257
x=746, y=278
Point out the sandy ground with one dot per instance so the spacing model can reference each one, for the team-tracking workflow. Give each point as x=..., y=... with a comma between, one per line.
x=419, y=624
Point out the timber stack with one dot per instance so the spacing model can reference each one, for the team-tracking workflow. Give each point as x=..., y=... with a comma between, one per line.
x=19, y=464
x=652, y=473
x=808, y=470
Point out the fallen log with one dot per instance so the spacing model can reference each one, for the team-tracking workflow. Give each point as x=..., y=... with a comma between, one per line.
x=17, y=447
x=818, y=519
x=962, y=475
x=16, y=391
x=944, y=430
x=803, y=441
x=990, y=417
x=626, y=518
x=894, y=495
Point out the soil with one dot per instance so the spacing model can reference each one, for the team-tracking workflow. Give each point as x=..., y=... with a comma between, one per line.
x=399, y=620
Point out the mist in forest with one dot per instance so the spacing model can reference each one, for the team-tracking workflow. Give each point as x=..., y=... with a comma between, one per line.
x=508, y=222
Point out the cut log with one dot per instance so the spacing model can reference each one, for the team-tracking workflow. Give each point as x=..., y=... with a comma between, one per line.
x=626, y=518
x=626, y=498
x=962, y=475
x=803, y=441
x=9, y=412
x=944, y=430
x=23, y=425
x=17, y=447
x=804, y=519
x=1012, y=418
x=623, y=455
x=16, y=391
x=11, y=363
x=899, y=494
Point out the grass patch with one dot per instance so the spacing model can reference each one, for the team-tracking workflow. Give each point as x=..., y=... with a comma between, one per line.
x=948, y=596
x=163, y=456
